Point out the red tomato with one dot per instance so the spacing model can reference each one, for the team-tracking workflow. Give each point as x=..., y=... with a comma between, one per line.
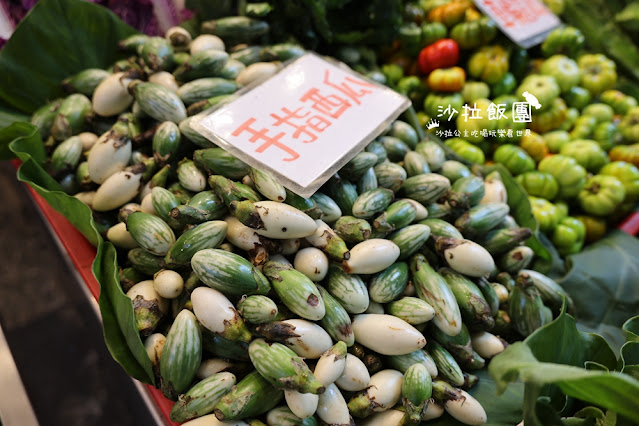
x=443, y=53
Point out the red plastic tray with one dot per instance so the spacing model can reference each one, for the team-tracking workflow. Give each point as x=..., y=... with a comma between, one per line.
x=82, y=254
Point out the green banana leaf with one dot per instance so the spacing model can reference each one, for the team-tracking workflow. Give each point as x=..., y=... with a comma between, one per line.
x=33, y=62
x=603, y=281
x=555, y=365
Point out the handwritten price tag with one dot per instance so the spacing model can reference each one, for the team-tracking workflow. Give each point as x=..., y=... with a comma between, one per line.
x=526, y=22
x=304, y=123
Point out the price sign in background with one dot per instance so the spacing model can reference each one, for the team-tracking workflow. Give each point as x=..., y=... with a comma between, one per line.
x=526, y=22
x=305, y=122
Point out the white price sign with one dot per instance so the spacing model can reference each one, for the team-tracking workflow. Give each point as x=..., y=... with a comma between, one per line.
x=305, y=122
x=526, y=22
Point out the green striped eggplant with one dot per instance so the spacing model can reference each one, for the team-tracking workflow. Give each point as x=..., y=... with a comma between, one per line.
x=149, y=307
x=459, y=403
x=305, y=338
x=481, y=219
x=336, y=321
x=417, y=388
x=205, y=88
x=166, y=141
x=489, y=294
x=272, y=219
x=305, y=205
x=378, y=149
x=441, y=228
x=348, y=289
x=221, y=347
x=368, y=181
x=257, y=309
x=460, y=347
x=410, y=239
x=204, y=63
x=415, y=164
x=426, y=188
x=181, y=355
x=526, y=307
x=251, y=396
x=295, y=290
x=143, y=261
x=330, y=210
x=66, y=155
x=343, y=192
x=327, y=240
x=157, y=53
x=203, y=206
x=190, y=177
x=372, y=202
x=282, y=367
x=465, y=193
x=390, y=175
x=499, y=241
x=551, y=293
x=472, y=304
x=266, y=185
x=420, y=356
x=411, y=309
x=352, y=229
x=71, y=116
x=283, y=416
x=516, y=259
x=217, y=314
x=189, y=133
x=388, y=284
x=433, y=289
x=395, y=148
x=398, y=215
x=150, y=232
x=454, y=170
x=163, y=202
x=447, y=367
x=202, y=398
x=358, y=165
x=433, y=153
x=158, y=102
x=208, y=235
x=228, y=273
x=217, y=161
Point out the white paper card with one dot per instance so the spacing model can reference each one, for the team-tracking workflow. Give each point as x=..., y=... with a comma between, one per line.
x=526, y=22
x=305, y=122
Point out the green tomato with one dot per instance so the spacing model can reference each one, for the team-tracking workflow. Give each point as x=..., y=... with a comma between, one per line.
x=549, y=119
x=472, y=34
x=489, y=64
x=601, y=112
x=563, y=40
x=474, y=90
x=433, y=31
x=587, y=152
x=607, y=135
x=563, y=208
x=601, y=195
x=598, y=73
x=435, y=103
x=565, y=71
x=628, y=175
x=543, y=87
x=572, y=114
x=393, y=73
x=583, y=127
x=467, y=151
x=556, y=139
x=545, y=212
x=539, y=184
x=515, y=159
x=629, y=126
x=569, y=236
x=504, y=86
x=570, y=175
x=619, y=101
x=413, y=88
x=577, y=97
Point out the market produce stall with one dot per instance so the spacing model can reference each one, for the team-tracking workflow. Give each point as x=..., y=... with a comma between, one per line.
x=447, y=272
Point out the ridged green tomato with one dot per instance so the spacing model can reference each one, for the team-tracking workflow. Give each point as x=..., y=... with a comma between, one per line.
x=551, y=118
x=474, y=90
x=583, y=128
x=570, y=175
x=572, y=114
x=587, y=152
x=546, y=214
x=565, y=71
x=629, y=126
x=515, y=159
x=629, y=153
x=556, y=139
x=619, y=101
x=467, y=151
x=472, y=34
x=504, y=86
x=543, y=87
x=489, y=64
x=598, y=73
x=539, y=184
x=600, y=111
x=628, y=175
x=436, y=103
x=433, y=31
x=564, y=40
x=595, y=227
x=535, y=145
x=607, y=135
x=577, y=97
x=601, y=195
x=447, y=79
x=569, y=236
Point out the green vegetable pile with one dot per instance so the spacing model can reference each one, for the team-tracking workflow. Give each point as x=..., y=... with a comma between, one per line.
x=381, y=297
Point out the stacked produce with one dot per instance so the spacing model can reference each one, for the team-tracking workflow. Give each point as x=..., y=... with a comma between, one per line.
x=575, y=154
x=377, y=297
